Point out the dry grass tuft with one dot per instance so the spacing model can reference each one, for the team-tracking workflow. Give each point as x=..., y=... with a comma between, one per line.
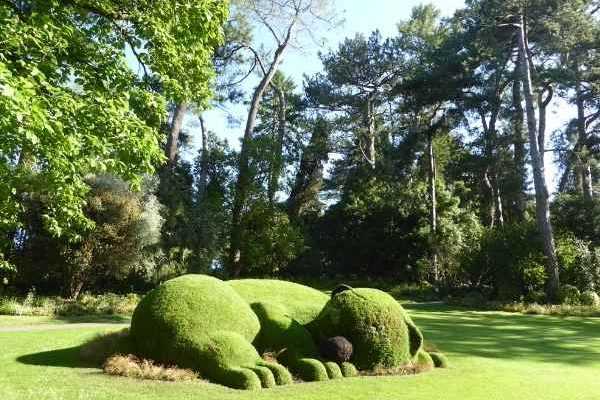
x=398, y=371
x=558, y=310
x=132, y=367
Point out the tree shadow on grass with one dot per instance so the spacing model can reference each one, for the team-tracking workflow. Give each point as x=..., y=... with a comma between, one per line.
x=567, y=340
x=67, y=358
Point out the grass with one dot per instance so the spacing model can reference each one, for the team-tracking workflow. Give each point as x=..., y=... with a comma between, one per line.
x=493, y=356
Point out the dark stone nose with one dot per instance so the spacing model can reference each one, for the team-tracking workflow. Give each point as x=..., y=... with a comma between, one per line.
x=336, y=348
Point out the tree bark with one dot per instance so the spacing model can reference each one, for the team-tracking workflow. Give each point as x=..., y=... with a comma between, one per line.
x=584, y=170
x=537, y=163
x=309, y=178
x=244, y=175
x=518, y=122
x=203, y=179
x=433, y=206
x=277, y=156
x=370, y=126
x=175, y=131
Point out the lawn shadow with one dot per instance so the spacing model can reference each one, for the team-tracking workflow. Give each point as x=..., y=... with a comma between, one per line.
x=67, y=358
x=567, y=340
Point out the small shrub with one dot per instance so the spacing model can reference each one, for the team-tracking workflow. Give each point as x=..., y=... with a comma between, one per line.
x=590, y=298
x=133, y=367
x=569, y=295
x=86, y=304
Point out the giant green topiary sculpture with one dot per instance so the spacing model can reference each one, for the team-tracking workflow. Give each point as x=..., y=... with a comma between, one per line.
x=219, y=329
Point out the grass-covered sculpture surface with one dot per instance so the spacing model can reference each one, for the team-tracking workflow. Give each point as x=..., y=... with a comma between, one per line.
x=221, y=328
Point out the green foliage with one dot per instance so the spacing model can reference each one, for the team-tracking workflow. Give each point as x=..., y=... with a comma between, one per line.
x=589, y=298
x=167, y=327
x=509, y=260
x=71, y=106
x=571, y=213
x=580, y=265
x=301, y=302
x=381, y=333
x=114, y=253
x=86, y=304
x=569, y=295
x=244, y=317
x=271, y=241
x=167, y=315
x=381, y=227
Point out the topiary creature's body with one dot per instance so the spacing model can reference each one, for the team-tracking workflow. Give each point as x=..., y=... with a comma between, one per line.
x=220, y=328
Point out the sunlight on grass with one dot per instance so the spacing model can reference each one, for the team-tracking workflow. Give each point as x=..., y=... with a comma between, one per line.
x=493, y=355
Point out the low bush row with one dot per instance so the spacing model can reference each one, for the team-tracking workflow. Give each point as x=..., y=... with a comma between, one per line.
x=85, y=304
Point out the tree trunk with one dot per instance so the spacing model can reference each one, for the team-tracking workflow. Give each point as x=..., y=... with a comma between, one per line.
x=537, y=164
x=582, y=152
x=244, y=176
x=203, y=179
x=277, y=156
x=499, y=207
x=370, y=155
x=433, y=206
x=490, y=142
x=520, y=173
x=309, y=178
x=491, y=206
x=173, y=139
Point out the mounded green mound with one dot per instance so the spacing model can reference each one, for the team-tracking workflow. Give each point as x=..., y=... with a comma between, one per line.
x=201, y=323
x=301, y=302
x=219, y=329
x=381, y=333
x=183, y=308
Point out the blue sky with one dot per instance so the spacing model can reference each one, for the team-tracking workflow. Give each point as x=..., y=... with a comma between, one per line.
x=361, y=16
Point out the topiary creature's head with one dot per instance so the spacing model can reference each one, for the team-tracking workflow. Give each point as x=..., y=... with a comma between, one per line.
x=381, y=332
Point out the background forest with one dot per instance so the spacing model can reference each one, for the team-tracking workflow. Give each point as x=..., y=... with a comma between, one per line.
x=416, y=158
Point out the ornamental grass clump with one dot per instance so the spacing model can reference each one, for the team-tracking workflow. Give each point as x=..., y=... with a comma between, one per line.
x=131, y=366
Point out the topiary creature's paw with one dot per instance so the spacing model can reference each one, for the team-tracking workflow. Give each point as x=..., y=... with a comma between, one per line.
x=229, y=359
x=254, y=376
x=280, y=373
x=348, y=370
x=311, y=369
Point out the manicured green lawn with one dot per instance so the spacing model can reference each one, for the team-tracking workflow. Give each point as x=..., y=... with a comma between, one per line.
x=494, y=356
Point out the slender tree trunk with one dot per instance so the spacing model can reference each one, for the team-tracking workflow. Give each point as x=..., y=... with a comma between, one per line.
x=244, y=176
x=583, y=166
x=309, y=178
x=433, y=206
x=492, y=185
x=498, y=198
x=491, y=206
x=370, y=125
x=277, y=156
x=203, y=179
x=520, y=173
x=539, y=178
x=175, y=131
